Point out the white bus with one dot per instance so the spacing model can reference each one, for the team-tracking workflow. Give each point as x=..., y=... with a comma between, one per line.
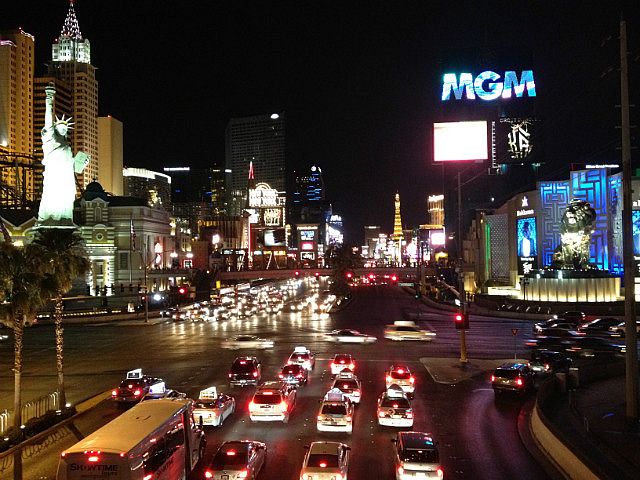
x=154, y=440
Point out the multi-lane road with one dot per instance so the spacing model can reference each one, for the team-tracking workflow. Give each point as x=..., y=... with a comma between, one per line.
x=478, y=438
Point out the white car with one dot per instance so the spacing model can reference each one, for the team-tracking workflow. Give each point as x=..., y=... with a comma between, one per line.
x=325, y=461
x=273, y=401
x=402, y=330
x=246, y=341
x=336, y=413
x=302, y=356
x=347, y=335
x=340, y=362
x=400, y=375
x=348, y=384
x=394, y=408
x=212, y=408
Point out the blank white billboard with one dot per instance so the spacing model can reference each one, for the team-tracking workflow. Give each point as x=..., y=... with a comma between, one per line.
x=460, y=141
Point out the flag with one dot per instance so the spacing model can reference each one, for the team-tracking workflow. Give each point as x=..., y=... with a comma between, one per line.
x=133, y=236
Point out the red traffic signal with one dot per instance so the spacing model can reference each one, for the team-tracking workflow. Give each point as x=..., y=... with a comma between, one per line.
x=393, y=278
x=462, y=321
x=317, y=274
x=349, y=275
x=371, y=275
x=297, y=273
x=182, y=290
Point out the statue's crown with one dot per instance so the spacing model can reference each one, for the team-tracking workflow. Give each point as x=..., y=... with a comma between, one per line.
x=67, y=121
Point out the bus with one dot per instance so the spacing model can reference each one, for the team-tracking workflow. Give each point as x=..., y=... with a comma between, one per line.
x=154, y=440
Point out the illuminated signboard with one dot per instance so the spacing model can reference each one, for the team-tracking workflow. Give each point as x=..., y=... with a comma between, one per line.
x=527, y=245
x=306, y=246
x=263, y=196
x=307, y=234
x=437, y=237
x=274, y=238
x=272, y=217
x=487, y=85
x=307, y=256
x=458, y=141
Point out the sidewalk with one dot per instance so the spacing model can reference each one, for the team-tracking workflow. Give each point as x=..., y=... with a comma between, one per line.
x=595, y=428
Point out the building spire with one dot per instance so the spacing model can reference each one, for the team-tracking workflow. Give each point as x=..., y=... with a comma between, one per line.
x=397, y=221
x=71, y=28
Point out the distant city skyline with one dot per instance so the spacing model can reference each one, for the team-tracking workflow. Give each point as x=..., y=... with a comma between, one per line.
x=360, y=83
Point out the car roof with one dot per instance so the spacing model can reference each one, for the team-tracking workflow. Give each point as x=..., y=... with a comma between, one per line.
x=325, y=448
x=394, y=368
x=271, y=385
x=248, y=359
x=420, y=440
x=511, y=365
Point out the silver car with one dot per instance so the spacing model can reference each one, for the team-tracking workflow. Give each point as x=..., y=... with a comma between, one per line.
x=238, y=459
x=416, y=456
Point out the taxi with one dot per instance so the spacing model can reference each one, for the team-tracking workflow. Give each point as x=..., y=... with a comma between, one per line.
x=400, y=375
x=212, y=408
x=135, y=386
x=273, y=401
x=340, y=362
x=336, y=413
x=348, y=384
x=294, y=375
x=394, y=408
x=302, y=356
x=325, y=461
x=407, y=330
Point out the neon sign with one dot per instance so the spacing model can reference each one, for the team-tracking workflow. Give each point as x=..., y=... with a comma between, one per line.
x=487, y=85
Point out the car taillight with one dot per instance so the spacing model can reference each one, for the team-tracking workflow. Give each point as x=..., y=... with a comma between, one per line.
x=114, y=393
x=148, y=477
x=337, y=477
x=400, y=470
x=306, y=364
x=243, y=474
x=283, y=407
x=137, y=393
x=332, y=365
x=280, y=375
x=400, y=370
x=519, y=381
x=389, y=379
x=320, y=417
x=412, y=380
x=230, y=375
x=352, y=366
x=299, y=375
x=493, y=378
x=348, y=418
x=547, y=367
x=382, y=414
x=306, y=476
x=355, y=394
x=93, y=459
x=255, y=373
x=439, y=472
x=289, y=362
x=409, y=414
x=252, y=406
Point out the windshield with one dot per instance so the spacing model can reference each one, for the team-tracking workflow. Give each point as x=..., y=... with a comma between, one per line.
x=346, y=385
x=206, y=404
x=400, y=376
x=420, y=456
x=395, y=402
x=342, y=359
x=334, y=410
x=322, y=460
x=132, y=384
x=230, y=456
x=242, y=367
x=504, y=373
x=266, y=399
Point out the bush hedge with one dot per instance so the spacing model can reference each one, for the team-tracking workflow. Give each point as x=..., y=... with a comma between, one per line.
x=14, y=436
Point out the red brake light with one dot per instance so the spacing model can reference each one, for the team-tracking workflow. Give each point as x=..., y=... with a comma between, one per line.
x=439, y=471
x=252, y=406
x=381, y=414
x=345, y=386
x=412, y=380
x=231, y=453
x=519, y=381
x=547, y=367
x=283, y=406
x=409, y=414
x=401, y=370
x=280, y=375
x=255, y=373
x=395, y=405
x=299, y=375
x=389, y=379
x=93, y=458
x=114, y=393
x=147, y=477
x=352, y=366
x=493, y=378
x=243, y=474
x=230, y=375
x=323, y=465
x=208, y=474
x=137, y=393
x=319, y=417
x=348, y=418
x=400, y=470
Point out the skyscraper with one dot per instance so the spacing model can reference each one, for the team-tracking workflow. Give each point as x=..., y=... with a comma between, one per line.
x=71, y=62
x=259, y=139
x=16, y=117
x=110, y=147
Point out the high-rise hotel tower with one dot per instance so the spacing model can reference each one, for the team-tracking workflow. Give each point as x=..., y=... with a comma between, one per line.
x=259, y=139
x=71, y=63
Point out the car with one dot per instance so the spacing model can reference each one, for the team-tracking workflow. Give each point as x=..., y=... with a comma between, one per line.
x=558, y=329
x=513, y=377
x=246, y=341
x=213, y=408
x=573, y=316
x=341, y=361
x=348, y=384
x=599, y=325
x=135, y=386
x=549, y=362
x=294, y=375
x=302, y=356
x=594, y=347
x=245, y=371
x=168, y=393
x=394, y=408
x=336, y=413
x=548, y=343
x=346, y=335
x=401, y=330
x=237, y=459
x=400, y=375
x=272, y=401
x=325, y=461
x=416, y=456
x=620, y=329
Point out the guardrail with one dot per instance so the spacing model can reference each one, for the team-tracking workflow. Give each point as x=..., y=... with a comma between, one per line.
x=33, y=409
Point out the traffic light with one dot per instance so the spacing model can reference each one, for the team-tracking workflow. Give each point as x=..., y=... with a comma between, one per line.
x=317, y=274
x=297, y=273
x=349, y=275
x=182, y=290
x=462, y=321
x=394, y=278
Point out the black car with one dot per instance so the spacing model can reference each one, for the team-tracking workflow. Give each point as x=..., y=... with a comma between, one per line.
x=245, y=371
x=573, y=317
x=556, y=344
x=135, y=386
x=294, y=375
x=512, y=377
x=599, y=325
x=594, y=347
x=549, y=362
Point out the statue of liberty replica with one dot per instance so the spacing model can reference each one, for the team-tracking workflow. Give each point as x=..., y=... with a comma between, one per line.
x=60, y=167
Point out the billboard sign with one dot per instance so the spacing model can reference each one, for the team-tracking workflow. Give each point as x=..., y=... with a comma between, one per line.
x=488, y=85
x=460, y=141
x=263, y=196
x=527, y=250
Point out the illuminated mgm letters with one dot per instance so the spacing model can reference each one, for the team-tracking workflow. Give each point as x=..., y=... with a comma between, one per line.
x=487, y=85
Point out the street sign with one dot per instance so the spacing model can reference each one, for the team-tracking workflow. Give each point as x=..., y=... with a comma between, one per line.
x=514, y=331
x=406, y=284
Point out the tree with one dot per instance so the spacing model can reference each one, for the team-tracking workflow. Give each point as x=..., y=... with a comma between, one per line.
x=65, y=259
x=342, y=260
x=21, y=275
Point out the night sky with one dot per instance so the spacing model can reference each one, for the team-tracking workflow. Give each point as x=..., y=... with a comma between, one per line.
x=360, y=83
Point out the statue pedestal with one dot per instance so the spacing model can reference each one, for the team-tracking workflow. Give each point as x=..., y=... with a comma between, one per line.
x=571, y=286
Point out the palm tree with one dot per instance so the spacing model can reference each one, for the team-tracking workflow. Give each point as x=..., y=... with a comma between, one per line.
x=341, y=260
x=21, y=276
x=65, y=259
